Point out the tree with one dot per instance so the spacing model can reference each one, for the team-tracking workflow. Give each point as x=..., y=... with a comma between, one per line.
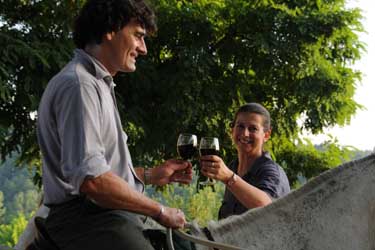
x=209, y=57
x=291, y=56
x=34, y=48
x=303, y=159
x=9, y=233
x=20, y=195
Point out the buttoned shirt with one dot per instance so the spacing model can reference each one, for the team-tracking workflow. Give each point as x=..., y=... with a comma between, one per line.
x=264, y=174
x=79, y=130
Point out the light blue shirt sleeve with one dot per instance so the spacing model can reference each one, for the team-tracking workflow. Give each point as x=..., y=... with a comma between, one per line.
x=78, y=114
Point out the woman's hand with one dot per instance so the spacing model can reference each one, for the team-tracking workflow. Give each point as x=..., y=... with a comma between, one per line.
x=214, y=167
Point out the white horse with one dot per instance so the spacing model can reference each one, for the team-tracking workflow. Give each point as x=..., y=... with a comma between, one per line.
x=334, y=211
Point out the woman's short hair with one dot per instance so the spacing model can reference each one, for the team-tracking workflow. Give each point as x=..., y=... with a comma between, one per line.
x=99, y=17
x=254, y=108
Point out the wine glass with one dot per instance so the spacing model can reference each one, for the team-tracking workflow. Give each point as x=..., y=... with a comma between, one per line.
x=208, y=146
x=187, y=145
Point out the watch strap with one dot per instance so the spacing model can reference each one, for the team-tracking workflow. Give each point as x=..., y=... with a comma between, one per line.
x=231, y=180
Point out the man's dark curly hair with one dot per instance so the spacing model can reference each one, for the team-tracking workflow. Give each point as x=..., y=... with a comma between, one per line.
x=99, y=17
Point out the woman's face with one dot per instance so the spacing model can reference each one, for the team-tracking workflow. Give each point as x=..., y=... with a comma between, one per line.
x=248, y=133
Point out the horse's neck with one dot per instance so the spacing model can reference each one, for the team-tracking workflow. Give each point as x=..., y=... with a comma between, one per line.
x=337, y=198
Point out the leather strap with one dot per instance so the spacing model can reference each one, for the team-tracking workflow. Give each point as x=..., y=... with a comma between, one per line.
x=208, y=235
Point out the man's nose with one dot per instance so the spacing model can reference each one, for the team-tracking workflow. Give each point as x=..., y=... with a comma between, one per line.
x=142, y=48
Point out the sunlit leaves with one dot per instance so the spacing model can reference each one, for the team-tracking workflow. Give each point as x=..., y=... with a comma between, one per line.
x=9, y=233
x=201, y=206
x=208, y=57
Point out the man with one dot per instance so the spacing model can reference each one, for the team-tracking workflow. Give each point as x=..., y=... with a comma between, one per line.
x=94, y=194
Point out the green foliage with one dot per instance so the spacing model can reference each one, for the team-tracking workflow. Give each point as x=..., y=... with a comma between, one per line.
x=36, y=43
x=209, y=57
x=9, y=233
x=201, y=206
x=303, y=159
x=20, y=195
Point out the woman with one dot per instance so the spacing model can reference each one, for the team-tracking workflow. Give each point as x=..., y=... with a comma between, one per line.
x=253, y=179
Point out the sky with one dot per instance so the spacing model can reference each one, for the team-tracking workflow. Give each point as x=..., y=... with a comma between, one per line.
x=361, y=131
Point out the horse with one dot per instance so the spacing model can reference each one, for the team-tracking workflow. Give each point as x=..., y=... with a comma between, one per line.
x=335, y=211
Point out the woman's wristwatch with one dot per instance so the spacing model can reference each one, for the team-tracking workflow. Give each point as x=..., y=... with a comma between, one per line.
x=231, y=180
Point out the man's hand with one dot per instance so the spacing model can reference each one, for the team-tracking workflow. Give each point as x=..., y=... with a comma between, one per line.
x=172, y=171
x=172, y=217
x=110, y=191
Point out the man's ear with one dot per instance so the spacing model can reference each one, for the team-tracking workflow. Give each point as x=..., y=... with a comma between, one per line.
x=109, y=36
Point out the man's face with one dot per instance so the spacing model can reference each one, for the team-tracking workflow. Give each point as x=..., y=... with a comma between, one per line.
x=123, y=47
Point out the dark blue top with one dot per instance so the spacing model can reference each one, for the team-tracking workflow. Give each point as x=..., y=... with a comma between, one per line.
x=266, y=175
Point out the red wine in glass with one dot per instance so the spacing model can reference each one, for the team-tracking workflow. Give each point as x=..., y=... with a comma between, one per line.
x=208, y=151
x=186, y=151
x=187, y=146
x=208, y=146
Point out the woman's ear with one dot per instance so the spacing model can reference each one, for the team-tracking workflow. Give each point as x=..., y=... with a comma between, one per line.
x=267, y=135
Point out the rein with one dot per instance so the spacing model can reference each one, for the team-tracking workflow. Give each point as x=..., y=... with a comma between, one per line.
x=208, y=243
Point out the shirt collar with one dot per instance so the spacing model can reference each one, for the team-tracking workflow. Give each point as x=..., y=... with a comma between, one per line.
x=98, y=69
